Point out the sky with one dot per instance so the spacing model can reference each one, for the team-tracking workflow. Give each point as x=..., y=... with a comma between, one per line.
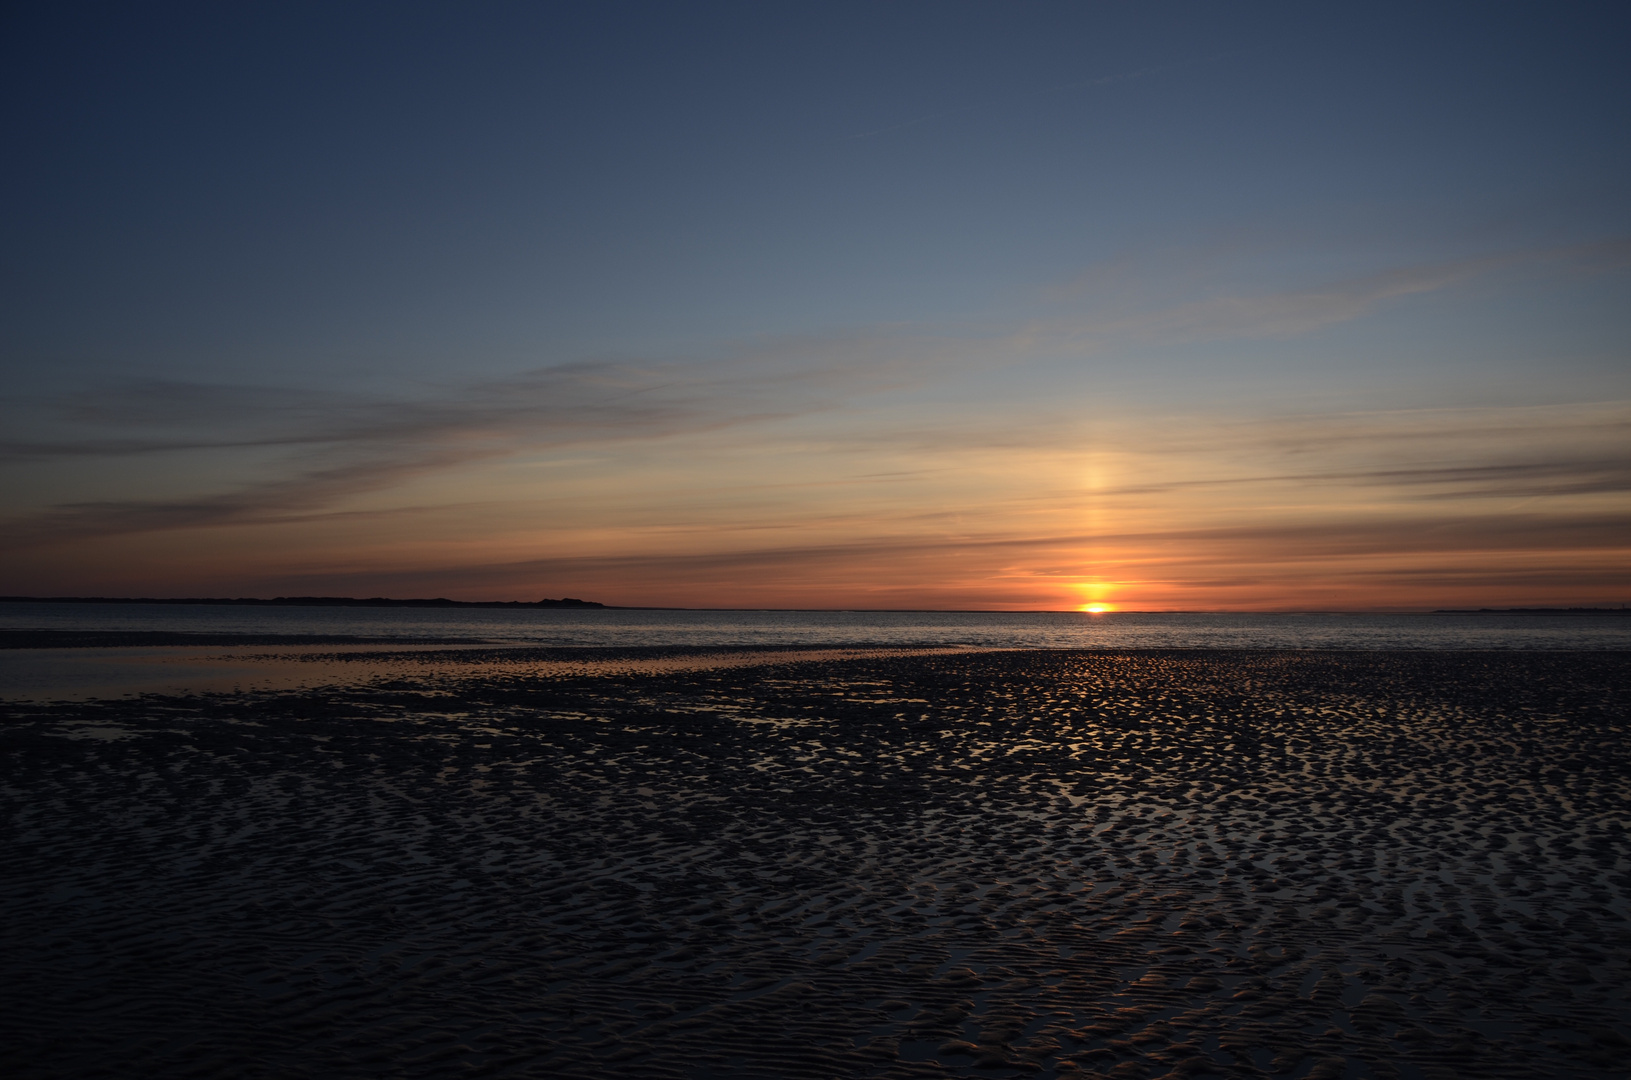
x=897, y=304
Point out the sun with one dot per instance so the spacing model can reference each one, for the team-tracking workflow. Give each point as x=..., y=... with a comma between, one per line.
x=1097, y=609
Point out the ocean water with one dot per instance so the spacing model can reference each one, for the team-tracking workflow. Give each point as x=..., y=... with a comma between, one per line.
x=1050, y=630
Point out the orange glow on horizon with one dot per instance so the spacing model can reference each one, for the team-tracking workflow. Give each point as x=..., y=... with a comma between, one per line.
x=1196, y=516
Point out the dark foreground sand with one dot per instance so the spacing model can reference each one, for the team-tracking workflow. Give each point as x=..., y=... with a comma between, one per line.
x=1045, y=863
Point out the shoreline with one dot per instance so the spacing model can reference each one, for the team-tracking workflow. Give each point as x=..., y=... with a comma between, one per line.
x=38, y=667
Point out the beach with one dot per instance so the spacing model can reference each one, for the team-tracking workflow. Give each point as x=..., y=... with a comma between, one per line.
x=882, y=863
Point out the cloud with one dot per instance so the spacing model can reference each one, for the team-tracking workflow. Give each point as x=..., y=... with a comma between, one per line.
x=280, y=454
x=1513, y=480
x=328, y=446
x=1298, y=312
x=1278, y=314
x=1515, y=452
x=1287, y=313
x=1481, y=552
x=549, y=406
x=334, y=446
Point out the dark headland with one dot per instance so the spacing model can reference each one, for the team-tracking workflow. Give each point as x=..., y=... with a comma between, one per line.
x=306, y=601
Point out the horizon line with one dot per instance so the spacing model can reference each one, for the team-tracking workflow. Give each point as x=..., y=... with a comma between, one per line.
x=573, y=604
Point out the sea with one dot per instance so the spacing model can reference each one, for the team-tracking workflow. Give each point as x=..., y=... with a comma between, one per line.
x=625, y=627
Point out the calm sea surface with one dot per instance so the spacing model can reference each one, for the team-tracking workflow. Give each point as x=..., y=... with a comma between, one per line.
x=992, y=629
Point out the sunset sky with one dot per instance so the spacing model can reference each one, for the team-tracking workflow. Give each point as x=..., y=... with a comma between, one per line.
x=882, y=305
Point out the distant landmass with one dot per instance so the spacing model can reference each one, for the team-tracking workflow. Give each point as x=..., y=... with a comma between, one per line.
x=306, y=601
x=1535, y=611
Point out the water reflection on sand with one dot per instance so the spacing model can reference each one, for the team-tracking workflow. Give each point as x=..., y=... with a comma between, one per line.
x=84, y=674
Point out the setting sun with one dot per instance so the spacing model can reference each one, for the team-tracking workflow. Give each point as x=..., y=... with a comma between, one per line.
x=1097, y=609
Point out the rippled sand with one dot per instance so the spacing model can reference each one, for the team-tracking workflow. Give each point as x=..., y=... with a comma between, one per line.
x=1025, y=863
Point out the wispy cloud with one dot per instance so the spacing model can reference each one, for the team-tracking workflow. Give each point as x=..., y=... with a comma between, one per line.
x=1513, y=480
x=1185, y=514
x=1468, y=453
x=1290, y=312
x=1297, y=312
x=1480, y=554
x=328, y=446
x=218, y=455
x=549, y=406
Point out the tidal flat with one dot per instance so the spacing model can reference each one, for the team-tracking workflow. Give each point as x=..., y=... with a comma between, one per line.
x=1024, y=863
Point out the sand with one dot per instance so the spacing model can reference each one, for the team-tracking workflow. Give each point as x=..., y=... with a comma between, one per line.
x=39, y=667
x=999, y=864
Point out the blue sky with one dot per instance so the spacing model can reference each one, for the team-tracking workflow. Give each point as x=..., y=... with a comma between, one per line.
x=275, y=271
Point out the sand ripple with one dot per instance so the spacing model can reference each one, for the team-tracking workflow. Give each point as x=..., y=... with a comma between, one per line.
x=1028, y=863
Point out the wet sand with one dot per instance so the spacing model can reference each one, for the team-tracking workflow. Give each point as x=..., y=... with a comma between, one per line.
x=38, y=667
x=1030, y=863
